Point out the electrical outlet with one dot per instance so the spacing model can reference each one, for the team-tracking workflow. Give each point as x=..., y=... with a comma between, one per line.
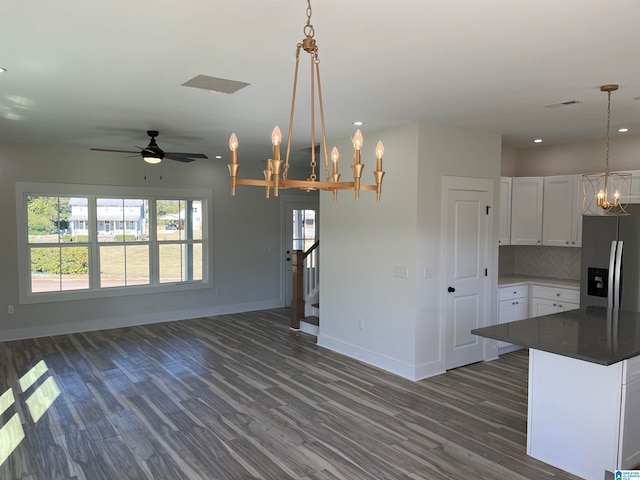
x=10, y=309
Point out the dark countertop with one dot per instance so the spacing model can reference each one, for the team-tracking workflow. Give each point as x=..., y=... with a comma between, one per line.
x=594, y=334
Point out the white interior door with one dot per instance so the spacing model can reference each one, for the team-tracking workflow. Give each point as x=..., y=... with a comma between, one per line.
x=467, y=215
x=300, y=233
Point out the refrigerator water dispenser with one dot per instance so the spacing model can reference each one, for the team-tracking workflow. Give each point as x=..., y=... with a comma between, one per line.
x=597, y=281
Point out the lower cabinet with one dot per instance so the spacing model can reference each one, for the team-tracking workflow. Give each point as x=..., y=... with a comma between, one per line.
x=517, y=302
x=629, y=448
x=546, y=300
x=583, y=417
x=513, y=305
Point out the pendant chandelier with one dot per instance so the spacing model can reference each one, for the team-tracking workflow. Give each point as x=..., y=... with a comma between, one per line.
x=607, y=193
x=276, y=173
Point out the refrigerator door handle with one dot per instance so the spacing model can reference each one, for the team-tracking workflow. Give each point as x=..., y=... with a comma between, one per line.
x=616, y=286
x=612, y=264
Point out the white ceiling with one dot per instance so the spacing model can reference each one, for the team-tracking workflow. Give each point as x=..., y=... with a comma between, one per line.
x=100, y=73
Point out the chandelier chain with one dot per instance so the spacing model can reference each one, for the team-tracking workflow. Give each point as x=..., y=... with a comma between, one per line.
x=308, y=28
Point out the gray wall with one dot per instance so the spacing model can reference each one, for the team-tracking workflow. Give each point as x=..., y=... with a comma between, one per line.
x=245, y=247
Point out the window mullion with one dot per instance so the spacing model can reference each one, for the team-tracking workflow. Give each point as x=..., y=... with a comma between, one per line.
x=92, y=239
x=154, y=254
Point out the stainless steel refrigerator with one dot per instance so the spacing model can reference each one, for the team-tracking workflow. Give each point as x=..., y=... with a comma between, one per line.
x=610, y=261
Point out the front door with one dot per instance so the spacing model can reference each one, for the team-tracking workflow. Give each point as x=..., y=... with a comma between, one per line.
x=468, y=218
x=301, y=232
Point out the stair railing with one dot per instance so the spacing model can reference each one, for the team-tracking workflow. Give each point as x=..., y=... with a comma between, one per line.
x=306, y=277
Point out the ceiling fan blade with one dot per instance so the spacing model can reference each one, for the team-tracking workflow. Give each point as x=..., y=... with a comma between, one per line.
x=192, y=155
x=111, y=150
x=183, y=157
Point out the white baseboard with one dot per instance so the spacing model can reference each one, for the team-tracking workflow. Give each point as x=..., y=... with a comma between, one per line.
x=402, y=369
x=131, y=320
x=309, y=328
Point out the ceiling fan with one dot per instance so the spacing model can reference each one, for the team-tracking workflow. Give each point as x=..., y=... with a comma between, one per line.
x=152, y=153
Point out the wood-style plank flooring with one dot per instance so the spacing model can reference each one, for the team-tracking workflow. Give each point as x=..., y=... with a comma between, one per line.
x=242, y=396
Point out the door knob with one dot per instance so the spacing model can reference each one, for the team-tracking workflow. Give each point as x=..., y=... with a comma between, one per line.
x=451, y=289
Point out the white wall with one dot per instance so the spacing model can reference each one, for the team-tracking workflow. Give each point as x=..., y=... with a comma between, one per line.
x=362, y=241
x=579, y=157
x=509, y=165
x=245, y=243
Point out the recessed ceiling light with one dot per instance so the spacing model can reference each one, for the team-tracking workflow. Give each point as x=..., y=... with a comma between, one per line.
x=623, y=130
x=358, y=123
x=2, y=69
x=537, y=140
x=218, y=156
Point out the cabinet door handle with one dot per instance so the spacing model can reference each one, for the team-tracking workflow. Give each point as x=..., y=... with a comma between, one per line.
x=555, y=305
x=567, y=242
x=560, y=305
x=557, y=294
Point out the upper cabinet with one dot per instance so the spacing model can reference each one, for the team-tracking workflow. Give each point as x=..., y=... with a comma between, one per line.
x=505, y=211
x=561, y=214
x=526, y=210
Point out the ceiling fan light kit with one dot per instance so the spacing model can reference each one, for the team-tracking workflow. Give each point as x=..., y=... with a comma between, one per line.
x=276, y=173
x=607, y=193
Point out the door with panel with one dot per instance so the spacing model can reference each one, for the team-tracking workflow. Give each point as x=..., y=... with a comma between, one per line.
x=467, y=239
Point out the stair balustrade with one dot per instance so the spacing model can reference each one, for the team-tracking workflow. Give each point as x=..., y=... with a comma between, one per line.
x=306, y=281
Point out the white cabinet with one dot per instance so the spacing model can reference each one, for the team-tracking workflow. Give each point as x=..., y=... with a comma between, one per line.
x=526, y=210
x=505, y=211
x=561, y=212
x=513, y=305
x=546, y=300
x=629, y=448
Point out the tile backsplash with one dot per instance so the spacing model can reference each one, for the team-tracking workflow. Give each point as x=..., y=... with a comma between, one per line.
x=537, y=261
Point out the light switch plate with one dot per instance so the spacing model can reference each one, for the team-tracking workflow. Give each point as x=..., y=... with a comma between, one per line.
x=401, y=271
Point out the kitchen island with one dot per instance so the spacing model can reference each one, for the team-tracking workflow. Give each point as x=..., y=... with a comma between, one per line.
x=584, y=387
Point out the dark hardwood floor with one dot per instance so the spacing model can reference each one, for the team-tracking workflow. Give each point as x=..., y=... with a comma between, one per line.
x=242, y=396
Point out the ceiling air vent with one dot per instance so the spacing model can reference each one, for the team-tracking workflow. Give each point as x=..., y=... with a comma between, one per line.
x=563, y=104
x=214, y=84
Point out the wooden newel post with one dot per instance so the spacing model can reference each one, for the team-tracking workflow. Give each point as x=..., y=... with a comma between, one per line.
x=297, y=298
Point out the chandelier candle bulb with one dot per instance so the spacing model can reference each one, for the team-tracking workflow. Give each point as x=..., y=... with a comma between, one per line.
x=233, y=166
x=357, y=146
x=276, y=137
x=379, y=154
x=334, y=157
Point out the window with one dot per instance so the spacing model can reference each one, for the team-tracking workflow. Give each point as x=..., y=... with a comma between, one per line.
x=56, y=262
x=124, y=253
x=92, y=241
x=180, y=242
